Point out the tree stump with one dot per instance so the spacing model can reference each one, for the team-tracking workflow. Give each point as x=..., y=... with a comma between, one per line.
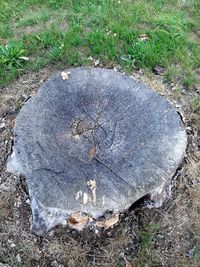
x=93, y=140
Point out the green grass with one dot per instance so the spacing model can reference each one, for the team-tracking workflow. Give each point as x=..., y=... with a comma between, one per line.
x=11, y=55
x=146, y=255
x=67, y=32
x=34, y=18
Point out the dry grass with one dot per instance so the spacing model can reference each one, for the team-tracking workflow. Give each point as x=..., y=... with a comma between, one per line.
x=159, y=237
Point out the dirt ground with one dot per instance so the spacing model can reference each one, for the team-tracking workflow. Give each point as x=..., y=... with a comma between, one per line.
x=168, y=236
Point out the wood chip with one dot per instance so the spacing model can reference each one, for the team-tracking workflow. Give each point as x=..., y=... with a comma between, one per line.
x=78, y=220
x=92, y=152
x=65, y=75
x=109, y=222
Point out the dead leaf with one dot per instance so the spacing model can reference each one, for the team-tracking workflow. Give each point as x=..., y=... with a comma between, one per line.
x=96, y=62
x=65, y=75
x=197, y=155
x=158, y=70
x=143, y=37
x=109, y=222
x=128, y=264
x=25, y=58
x=92, y=152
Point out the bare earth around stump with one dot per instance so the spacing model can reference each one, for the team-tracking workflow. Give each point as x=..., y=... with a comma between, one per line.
x=94, y=140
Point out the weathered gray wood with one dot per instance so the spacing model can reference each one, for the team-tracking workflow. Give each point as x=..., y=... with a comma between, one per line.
x=96, y=141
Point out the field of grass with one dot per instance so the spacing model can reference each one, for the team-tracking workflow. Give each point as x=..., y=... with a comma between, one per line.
x=69, y=32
